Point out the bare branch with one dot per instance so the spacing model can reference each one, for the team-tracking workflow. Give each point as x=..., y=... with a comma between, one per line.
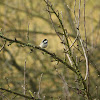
x=32, y=98
x=28, y=33
x=24, y=79
x=40, y=85
x=48, y=5
x=37, y=47
x=3, y=46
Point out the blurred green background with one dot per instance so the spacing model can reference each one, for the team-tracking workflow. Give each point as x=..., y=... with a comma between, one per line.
x=16, y=16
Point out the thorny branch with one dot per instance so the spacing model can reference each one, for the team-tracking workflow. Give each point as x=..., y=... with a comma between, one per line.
x=28, y=97
x=37, y=47
x=51, y=54
x=84, y=51
x=66, y=37
x=64, y=31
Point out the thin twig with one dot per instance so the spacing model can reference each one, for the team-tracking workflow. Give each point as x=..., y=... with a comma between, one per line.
x=3, y=46
x=24, y=79
x=72, y=44
x=97, y=92
x=7, y=83
x=87, y=58
x=40, y=85
x=60, y=21
x=52, y=20
x=28, y=33
x=78, y=33
x=81, y=41
x=3, y=96
x=66, y=85
x=75, y=12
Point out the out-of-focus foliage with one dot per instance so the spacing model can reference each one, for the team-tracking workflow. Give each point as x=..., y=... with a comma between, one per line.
x=15, y=18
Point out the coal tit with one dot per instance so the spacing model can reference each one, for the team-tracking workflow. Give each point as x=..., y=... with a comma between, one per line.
x=44, y=43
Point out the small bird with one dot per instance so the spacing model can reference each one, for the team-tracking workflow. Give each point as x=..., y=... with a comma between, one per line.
x=44, y=43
